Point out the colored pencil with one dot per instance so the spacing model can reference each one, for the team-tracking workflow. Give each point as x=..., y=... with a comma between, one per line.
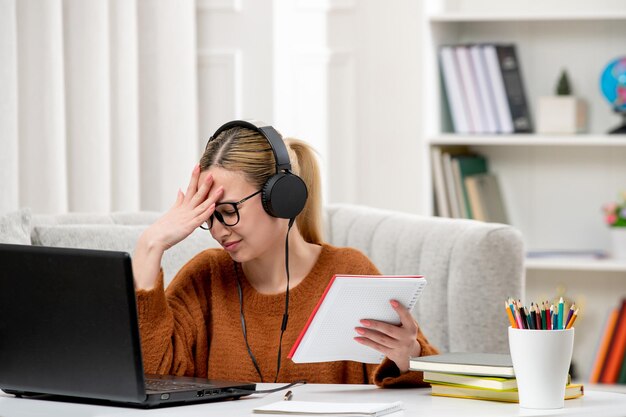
x=510, y=315
x=561, y=313
x=544, y=324
x=571, y=321
x=529, y=319
x=569, y=314
x=548, y=317
x=538, y=317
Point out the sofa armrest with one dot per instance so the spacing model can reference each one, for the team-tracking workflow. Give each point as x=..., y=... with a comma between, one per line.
x=471, y=268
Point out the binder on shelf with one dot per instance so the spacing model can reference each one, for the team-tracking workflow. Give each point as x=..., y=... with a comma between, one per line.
x=511, y=74
x=454, y=90
x=470, y=86
x=503, y=112
x=485, y=89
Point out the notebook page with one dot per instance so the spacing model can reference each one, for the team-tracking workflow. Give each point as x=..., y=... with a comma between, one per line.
x=330, y=333
x=329, y=409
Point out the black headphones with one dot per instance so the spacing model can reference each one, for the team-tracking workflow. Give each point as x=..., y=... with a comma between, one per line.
x=284, y=193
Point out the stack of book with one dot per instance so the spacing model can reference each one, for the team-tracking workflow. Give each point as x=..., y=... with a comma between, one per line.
x=480, y=376
x=609, y=365
x=464, y=187
x=484, y=89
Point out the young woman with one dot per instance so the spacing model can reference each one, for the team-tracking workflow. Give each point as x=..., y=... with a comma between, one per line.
x=222, y=317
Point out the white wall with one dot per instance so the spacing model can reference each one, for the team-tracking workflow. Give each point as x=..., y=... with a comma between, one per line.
x=342, y=75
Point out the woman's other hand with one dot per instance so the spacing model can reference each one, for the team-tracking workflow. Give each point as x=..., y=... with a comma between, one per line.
x=397, y=342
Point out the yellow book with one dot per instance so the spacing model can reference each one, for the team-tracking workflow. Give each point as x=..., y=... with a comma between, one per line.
x=470, y=381
x=511, y=396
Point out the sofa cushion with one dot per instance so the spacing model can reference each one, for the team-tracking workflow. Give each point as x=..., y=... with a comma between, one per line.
x=121, y=238
x=15, y=227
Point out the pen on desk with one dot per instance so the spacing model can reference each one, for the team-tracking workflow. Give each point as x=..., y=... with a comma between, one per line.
x=288, y=396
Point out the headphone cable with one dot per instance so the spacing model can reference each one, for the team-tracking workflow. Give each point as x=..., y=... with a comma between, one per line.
x=283, y=326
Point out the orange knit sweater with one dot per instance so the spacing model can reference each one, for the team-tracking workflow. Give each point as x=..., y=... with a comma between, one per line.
x=194, y=327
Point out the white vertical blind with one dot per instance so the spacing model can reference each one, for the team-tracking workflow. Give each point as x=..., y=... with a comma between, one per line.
x=125, y=183
x=8, y=106
x=98, y=103
x=87, y=86
x=42, y=135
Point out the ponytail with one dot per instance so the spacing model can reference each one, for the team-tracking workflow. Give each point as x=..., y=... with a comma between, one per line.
x=305, y=165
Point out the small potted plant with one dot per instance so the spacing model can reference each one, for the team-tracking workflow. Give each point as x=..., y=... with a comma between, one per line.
x=562, y=113
x=615, y=217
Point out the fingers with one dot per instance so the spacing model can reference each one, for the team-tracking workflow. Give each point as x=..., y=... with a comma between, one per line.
x=406, y=318
x=192, y=188
x=374, y=345
x=207, y=207
x=203, y=190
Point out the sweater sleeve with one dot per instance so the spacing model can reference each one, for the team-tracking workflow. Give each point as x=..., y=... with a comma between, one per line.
x=387, y=374
x=172, y=325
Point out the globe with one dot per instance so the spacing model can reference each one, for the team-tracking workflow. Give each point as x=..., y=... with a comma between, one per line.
x=613, y=87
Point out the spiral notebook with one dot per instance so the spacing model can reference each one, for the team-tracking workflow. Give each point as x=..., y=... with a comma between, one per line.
x=329, y=333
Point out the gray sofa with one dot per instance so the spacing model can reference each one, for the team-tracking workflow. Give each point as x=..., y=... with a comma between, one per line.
x=471, y=267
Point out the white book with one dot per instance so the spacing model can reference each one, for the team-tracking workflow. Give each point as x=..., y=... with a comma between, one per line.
x=505, y=120
x=443, y=209
x=329, y=333
x=470, y=87
x=448, y=175
x=454, y=90
x=485, y=93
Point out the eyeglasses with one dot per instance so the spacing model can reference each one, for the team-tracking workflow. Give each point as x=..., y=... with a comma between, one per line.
x=227, y=212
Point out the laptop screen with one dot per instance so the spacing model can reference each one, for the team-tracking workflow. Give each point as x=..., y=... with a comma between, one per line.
x=68, y=323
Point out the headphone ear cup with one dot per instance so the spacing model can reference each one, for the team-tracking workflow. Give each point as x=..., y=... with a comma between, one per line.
x=284, y=195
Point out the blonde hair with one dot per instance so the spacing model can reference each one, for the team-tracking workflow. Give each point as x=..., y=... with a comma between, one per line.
x=247, y=151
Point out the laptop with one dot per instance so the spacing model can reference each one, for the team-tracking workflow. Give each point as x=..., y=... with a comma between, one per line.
x=68, y=328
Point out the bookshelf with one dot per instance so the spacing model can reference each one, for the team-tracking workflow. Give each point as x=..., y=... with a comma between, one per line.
x=553, y=186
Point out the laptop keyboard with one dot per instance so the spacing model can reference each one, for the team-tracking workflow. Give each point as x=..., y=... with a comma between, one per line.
x=168, y=385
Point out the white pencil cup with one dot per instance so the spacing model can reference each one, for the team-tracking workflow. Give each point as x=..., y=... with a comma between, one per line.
x=541, y=360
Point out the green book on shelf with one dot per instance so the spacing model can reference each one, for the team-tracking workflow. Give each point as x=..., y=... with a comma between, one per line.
x=470, y=164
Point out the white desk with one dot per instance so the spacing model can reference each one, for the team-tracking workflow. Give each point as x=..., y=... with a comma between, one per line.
x=417, y=402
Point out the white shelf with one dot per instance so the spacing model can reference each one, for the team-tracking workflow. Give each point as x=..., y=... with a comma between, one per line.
x=458, y=17
x=600, y=140
x=573, y=264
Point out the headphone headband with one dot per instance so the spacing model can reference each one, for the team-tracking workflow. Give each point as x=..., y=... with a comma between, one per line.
x=281, y=156
x=284, y=194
